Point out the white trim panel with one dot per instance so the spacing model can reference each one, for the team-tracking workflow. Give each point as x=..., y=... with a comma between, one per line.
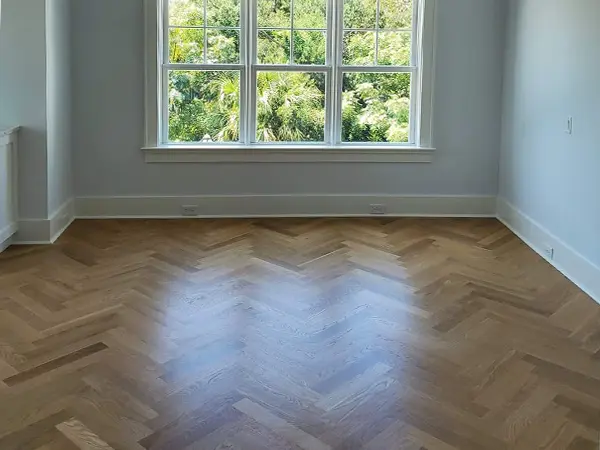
x=288, y=154
x=5, y=244
x=152, y=30
x=285, y=206
x=425, y=84
x=8, y=231
x=61, y=219
x=6, y=235
x=9, y=184
x=46, y=231
x=568, y=261
x=33, y=232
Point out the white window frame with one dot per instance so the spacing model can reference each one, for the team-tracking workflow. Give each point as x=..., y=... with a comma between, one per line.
x=422, y=70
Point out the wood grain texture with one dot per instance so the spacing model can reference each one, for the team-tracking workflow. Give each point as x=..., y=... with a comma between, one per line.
x=81, y=436
x=424, y=334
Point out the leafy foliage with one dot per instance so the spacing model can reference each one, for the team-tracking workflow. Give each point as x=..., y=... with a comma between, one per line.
x=291, y=107
x=205, y=105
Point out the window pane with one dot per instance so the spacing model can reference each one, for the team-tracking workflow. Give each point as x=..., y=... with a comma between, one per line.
x=309, y=47
x=395, y=14
x=360, y=14
x=273, y=47
x=186, y=45
x=310, y=14
x=290, y=107
x=223, y=13
x=394, y=48
x=376, y=107
x=204, y=106
x=223, y=46
x=274, y=13
x=186, y=12
x=359, y=48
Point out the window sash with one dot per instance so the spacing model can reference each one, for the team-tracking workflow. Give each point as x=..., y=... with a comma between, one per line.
x=333, y=68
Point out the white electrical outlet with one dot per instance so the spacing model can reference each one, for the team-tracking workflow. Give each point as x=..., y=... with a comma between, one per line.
x=378, y=209
x=189, y=210
x=548, y=252
x=569, y=129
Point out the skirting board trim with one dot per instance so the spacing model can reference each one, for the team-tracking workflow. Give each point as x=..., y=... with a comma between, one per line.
x=6, y=236
x=33, y=232
x=5, y=244
x=251, y=206
x=7, y=232
x=573, y=265
x=46, y=231
x=566, y=260
x=61, y=219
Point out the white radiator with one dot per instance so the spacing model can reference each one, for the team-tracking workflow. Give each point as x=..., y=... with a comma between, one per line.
x=9, y=213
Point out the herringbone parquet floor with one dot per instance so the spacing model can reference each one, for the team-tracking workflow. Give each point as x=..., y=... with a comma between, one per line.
x=436, y=334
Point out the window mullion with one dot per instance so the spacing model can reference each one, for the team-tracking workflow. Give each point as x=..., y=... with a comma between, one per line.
x=377, y=16
x=164, y=101
x=415, y=101
x=379, y=69
x=291, y=68
x=337, y=37
x=183, y=66
x=165, y=33
x=163, y=73
x=416, y=33
x=244, y=85
x=251, y=24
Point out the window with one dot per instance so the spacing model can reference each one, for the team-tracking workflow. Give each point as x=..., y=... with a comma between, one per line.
x=315, y=73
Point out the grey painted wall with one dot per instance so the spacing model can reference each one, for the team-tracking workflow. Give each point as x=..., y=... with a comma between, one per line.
x=552, y=67
x=60, y=179
x=35, y=92
x=23, y=97
x=108, y=114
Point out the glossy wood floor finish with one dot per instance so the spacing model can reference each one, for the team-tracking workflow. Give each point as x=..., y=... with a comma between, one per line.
x=433, y=334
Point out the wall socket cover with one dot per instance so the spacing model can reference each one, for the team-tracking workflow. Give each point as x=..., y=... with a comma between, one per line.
x=549, y=252
x=378, y=209
x=189, y=210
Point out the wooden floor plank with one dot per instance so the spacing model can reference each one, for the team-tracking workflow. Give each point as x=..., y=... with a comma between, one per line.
x=315, y=334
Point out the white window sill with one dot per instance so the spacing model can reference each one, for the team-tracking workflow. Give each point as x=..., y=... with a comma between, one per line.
x=288, y=154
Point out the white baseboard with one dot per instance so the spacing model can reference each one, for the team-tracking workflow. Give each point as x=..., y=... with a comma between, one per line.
x=6, y=235
x=573, y=265
x=568, y=261
x=5, y=244
x=46, y=231
x=61, y=219
x=285, y=206
x=33, y=232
